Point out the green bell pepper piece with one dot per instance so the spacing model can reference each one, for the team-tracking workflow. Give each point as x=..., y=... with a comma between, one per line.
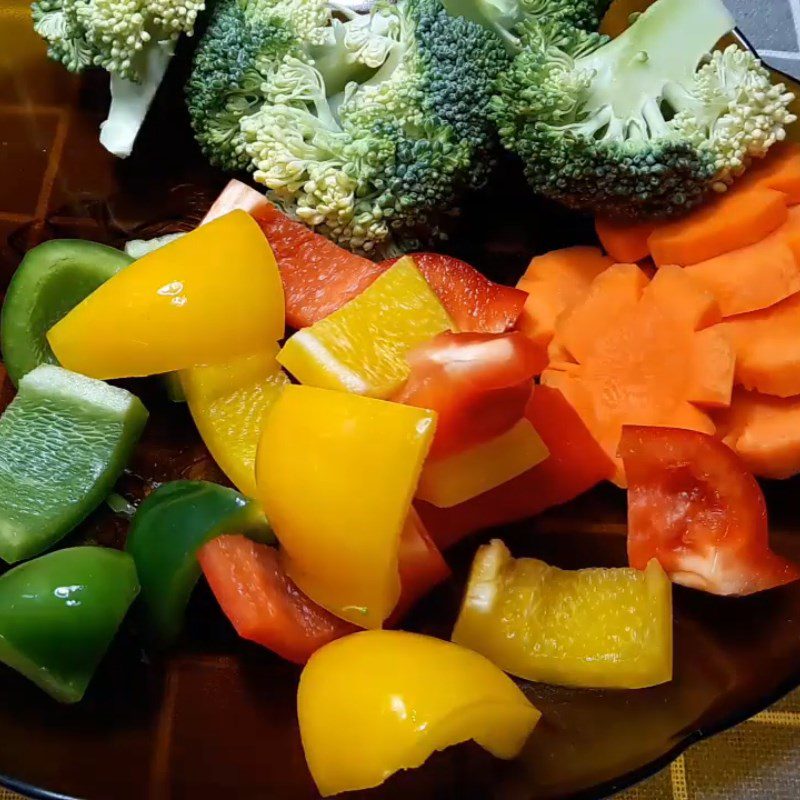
x=59, y=614
x=51, y=280
x=168, y=530
x=64, y=441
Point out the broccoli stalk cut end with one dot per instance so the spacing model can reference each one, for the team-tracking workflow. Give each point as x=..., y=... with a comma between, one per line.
x=131, y=100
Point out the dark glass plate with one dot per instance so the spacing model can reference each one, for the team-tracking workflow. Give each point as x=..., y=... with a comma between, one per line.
x=216, y=718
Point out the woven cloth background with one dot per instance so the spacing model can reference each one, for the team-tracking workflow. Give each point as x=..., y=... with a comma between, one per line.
x=759, y=760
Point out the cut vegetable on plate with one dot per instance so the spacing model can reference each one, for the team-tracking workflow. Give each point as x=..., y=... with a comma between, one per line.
x=476, y=304
x=59, y=613
x=451, y=480
x=51, y=280
x=168, y=530
x=477, y=383
x=64, y=441
x=764, y=431
x=642, y=353
x=597, y=628
x=694, y=507
x=213, y=294
x=319, y=450
x=228, y=402
x=755, y=277
x=767, y=348
x=263, y=604
x=404, y=697
x=362, y=347
x=555, y=282
x=574, y=465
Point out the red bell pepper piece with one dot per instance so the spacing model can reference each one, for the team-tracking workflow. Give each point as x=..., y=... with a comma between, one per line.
x=475, y=303
x=318, y=275
x=693, y=505
x=479, y=384
x=265, y=606
x=263, y=603
x=576, y=464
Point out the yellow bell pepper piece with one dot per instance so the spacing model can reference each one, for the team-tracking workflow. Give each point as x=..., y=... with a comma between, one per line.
x=204, y=298
x=336, y=474
x=228, y=403
x=362, y=346
x=401, y=697
x=598, y=628
x=448, y=481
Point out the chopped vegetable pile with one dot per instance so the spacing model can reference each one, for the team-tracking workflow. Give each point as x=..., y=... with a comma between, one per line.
x=367, y=415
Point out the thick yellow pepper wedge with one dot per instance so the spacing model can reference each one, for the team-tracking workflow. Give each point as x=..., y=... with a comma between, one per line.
x=597, y=628
x=362, y=346
x=448, y=481
x=228, y=403
x=336, y=473
x=400, y=697
x=204, y=298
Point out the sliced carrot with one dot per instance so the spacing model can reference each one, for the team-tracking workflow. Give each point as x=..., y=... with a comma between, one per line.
x=764, y=431
x=735, y=219
x=767, y=346
x=756, y=276
x=625, y=242
x=614, y=293
x=643, y=355
x=555, y=282
x=779, y=170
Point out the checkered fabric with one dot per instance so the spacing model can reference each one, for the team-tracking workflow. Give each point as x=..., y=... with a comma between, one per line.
x=759, y=760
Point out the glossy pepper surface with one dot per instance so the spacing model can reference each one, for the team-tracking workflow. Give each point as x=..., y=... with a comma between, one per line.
x=228, y=402
x=336, y=473
x=362, y=346
x=59, y=613
x=211, y=295
x=169, y=528
x=403, y=697
x=64, y=441
x=597, y=628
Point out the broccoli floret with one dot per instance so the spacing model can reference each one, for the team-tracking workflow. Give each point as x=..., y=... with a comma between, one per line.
x=642, y=126
x=507, y=18
x=133, y=40
x=366, y=127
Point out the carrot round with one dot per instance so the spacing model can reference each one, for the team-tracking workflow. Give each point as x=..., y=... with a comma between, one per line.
x=625, y=242
x=555, y=282
x=643, y=354
x=735, y=219
x=764, y=431
x=756, y=276
x=767, y=347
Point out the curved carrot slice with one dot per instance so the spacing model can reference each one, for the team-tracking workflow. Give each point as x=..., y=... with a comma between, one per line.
x=643, y=360
x=625, y=242
x=767, y=346
x=756, y=276
x=764, y=431
x=555, y=282
x=735, y=219
x=780, y=170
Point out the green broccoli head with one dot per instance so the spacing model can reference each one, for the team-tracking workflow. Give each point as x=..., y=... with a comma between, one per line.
x=111, y=34
x=509, y=18
x=243, y=44
x=646, y=125
x=367, y=127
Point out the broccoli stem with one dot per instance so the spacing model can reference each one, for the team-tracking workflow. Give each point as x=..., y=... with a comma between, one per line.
x=131, y=100
x=662, y=48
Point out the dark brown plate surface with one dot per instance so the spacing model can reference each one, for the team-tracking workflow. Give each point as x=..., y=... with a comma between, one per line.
x=216, y=718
